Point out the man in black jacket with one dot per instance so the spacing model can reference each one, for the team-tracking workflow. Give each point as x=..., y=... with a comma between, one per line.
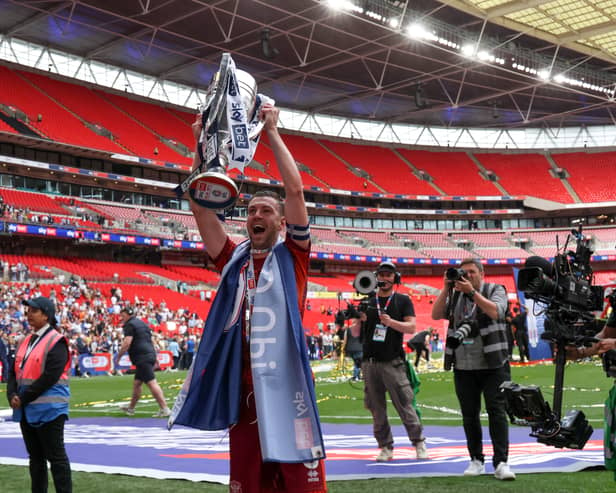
x=138, y=343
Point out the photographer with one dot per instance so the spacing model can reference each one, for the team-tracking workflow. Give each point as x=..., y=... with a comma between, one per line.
x=385, y=316
x=477, y=349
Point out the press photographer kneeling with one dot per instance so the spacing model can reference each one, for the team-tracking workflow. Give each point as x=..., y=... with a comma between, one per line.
x=477, y=350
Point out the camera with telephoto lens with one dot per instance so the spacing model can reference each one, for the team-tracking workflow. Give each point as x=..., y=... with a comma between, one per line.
x=455, y=274
x=365, y=283
x=466, y=328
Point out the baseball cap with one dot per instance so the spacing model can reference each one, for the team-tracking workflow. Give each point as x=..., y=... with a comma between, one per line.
x=45, y=305
x=386, y=266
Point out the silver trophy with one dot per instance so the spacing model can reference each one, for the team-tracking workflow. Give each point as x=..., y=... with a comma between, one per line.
x=229, y=136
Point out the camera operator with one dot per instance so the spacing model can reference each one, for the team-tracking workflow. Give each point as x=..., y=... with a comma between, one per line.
x=477, y=349
x=385, y=316
x=607, y=342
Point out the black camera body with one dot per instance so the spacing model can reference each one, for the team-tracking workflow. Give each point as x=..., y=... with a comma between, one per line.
x=567, y=282
x=354, y=311
x=455, y=273
x=565, y=287
x=466, y=328
x=525, y=406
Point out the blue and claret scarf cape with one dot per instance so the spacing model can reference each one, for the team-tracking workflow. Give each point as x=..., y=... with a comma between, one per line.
x=289, y=428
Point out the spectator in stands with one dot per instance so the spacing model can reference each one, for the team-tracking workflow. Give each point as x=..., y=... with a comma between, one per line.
x=480, y=361
x=39, y=394
x=138, y=343
x=389, y=315
x=240, y=362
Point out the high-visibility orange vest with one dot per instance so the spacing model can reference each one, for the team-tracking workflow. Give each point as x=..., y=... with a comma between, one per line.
x=54, y=401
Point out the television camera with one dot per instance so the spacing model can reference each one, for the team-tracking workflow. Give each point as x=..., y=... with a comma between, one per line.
x=564, y=288
x=365, y=283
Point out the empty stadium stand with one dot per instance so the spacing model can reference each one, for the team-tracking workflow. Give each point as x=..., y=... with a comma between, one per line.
x=324, y=165
x=526, y=174
x=265, y=157
x=589, y=174
x=385, y=168
x=159, y=120
x=453, y=172
x=76, y=115
x=95, y=110
x=31, y=201
x=55, y=122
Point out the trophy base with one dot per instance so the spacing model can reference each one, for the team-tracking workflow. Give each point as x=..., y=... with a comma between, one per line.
x=213, y=190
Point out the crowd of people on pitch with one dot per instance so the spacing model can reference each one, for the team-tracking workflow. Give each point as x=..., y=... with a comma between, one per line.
x=91, y=321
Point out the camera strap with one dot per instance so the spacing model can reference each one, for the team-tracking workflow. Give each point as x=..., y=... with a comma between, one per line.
x=451, y=304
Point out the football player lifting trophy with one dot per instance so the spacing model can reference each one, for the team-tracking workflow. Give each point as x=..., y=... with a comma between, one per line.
x=229, y=138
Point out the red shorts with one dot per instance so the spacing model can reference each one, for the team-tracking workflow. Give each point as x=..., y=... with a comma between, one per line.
x=249, y=474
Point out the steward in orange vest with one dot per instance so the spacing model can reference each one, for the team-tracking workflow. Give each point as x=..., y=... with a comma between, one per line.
x=29, y=364
x=38, y=393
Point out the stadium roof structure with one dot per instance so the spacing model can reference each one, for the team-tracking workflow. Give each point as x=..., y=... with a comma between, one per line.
x=450, y=63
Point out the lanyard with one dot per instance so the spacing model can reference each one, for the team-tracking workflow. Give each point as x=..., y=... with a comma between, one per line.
x=30, y=348
x=378, y=304
x=466, y=312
